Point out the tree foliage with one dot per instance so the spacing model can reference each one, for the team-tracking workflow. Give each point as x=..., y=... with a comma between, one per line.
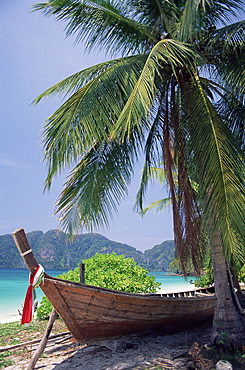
x=108, y=271
x=176, y=94
x=241, y=275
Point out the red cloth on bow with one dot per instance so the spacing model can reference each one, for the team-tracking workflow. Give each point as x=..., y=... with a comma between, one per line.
x=28, y=309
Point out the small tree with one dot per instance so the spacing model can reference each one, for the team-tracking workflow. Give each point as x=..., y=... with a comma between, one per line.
x=108, y=271
x=119, y=273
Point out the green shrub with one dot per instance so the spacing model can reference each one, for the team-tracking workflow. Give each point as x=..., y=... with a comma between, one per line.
x=119, y=273
x=108, y=271
x=241, y=275
x=44, y=309
x=208, y=278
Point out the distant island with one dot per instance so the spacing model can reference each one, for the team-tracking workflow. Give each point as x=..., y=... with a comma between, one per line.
x=54, y=251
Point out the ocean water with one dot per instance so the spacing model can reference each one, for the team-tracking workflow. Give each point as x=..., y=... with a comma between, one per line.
x=172, y=283
x=14, y=283
x=13, y=286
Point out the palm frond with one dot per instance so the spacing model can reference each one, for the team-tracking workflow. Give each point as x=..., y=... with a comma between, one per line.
x=229, y=106
x=190, y=22
x=101, y=23
x=153, y=148
x=222, y=12
x=231, y=36
x=96, y=186
x=226, y=48
x=232, y=111
x=157, y=174
x=157, y=206
x=204, y=15
x=169, y=54
x=221, y=171
x=159, y=15
x=88, y=116
x=76, y=81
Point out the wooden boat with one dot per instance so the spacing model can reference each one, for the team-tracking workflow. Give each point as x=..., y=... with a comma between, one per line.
x=97, y=313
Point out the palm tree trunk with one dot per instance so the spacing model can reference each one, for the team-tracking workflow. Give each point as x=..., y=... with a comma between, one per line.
x=229, y=323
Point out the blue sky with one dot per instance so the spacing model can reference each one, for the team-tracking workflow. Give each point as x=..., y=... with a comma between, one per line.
x=35, y=54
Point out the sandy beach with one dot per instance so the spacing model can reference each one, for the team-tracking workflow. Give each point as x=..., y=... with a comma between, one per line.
x=9, y=318
x=178, y=349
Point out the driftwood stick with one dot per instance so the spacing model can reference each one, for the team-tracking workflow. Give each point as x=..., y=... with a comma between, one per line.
x=35, y=341
x=42, y=344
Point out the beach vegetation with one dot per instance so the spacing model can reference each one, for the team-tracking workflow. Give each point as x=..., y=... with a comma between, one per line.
x=118, y=273
x=173, y=94
x=207, y=277
x=44, y=310
x=241, y=275
x=108, y=271
x=9, y=332
x=4, y=361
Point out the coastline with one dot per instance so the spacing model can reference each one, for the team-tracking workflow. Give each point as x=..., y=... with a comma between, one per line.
x=4, y=319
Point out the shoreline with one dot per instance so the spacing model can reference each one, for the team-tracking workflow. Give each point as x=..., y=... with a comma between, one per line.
x=7, y=319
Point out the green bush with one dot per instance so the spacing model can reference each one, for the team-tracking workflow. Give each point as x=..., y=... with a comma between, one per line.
x=44, y=310
x=208, y=278
x=241, y=275
x=108, y=271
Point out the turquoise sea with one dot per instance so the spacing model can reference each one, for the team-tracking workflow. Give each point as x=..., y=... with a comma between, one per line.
x=14, y=283
x=13, y=286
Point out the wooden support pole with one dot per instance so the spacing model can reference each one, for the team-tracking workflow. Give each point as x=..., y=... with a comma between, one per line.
x=82, y=273
x=42, y=344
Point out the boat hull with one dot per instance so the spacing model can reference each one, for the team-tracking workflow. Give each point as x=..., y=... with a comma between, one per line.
x=96, y=313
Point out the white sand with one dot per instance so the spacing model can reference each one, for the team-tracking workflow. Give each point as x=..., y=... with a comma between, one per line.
x=9, y=318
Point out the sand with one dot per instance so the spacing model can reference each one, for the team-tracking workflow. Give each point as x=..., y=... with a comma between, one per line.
x=168, y=350
x=9, y=318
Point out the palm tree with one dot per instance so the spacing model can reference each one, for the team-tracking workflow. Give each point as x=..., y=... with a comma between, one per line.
x=174, y=93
